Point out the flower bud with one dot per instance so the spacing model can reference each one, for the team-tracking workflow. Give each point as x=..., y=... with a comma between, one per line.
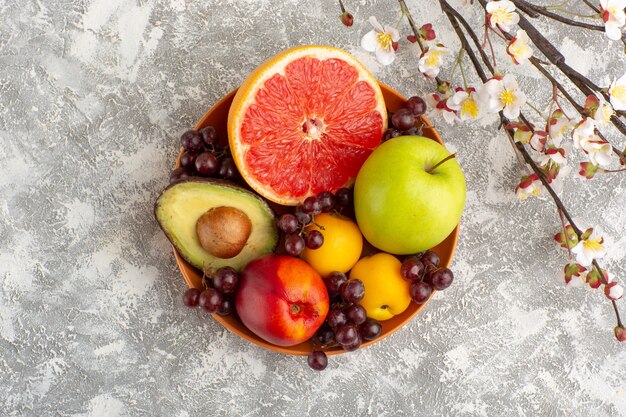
x=346, y=18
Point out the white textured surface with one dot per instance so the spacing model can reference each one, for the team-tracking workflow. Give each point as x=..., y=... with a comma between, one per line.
x=93, y=96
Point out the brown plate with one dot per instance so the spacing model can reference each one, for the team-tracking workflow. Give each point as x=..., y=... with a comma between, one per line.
x=217, y=116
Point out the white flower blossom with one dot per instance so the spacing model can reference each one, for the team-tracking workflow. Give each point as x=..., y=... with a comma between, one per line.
x=380, y=41
x=617, y=93
x=467, y=105
x=604, y=112
x=502, y=94
x=613, y=291
x=502, y=13
x=439, y=107
x=530, y=185
x=584, y=131
x=558, y=127
x=589, y=249
x=551, y=154
x=519, y=48
x=430, y=62
x=614, y=17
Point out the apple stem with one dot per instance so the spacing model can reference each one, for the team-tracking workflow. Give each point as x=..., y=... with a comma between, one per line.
x=454, y=155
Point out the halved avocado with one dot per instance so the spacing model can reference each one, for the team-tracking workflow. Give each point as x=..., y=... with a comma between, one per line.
x=235, y=225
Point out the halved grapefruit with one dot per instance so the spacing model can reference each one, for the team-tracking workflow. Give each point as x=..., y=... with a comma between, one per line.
x=304, y=122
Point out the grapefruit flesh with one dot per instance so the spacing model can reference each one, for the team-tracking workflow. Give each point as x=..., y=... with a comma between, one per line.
x=304, y=122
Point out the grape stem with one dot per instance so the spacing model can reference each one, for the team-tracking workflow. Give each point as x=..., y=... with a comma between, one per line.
x=454, y=155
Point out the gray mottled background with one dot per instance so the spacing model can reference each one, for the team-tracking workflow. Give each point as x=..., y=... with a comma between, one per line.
x=93, y=97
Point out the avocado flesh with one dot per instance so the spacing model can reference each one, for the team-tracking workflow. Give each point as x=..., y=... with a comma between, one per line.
x=181, y=204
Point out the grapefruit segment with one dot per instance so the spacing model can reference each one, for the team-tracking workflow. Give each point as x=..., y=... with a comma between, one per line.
x=304, y=122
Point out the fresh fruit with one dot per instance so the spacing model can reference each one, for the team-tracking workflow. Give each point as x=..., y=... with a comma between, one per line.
x=408, y=197
x=183, y=203
x=352, y=291
x=288, y=223
x=430, y=258
x=326, y=200
x=211, y=300
x=403, y=119
x=311, y=205
x=371, y=329
x=412, y=270
x=386, y=292
x=191, y=297
x=417, y=105
x=294, y=244
x=179, y=174
x=356, y=314
x=227, y=308
x=351, y=347
x=191, y=140
x=346, y=334
x=281, y=299
x=336, y=317
x=441, y=279
x=206, y=164
x=343, y=197
x=325, y=334
x=334, y=281
x=209, y=135
x=226, y=280
x=304, y=122
x=342, y=244
x=313, y=239
x=420, y=291
x=317, y=360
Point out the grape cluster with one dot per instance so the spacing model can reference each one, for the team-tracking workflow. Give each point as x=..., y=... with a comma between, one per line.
x=218, y=292
x=292, y=225
x=403, y=121
x=203, y=156
x=424, y=274
x=346, y=323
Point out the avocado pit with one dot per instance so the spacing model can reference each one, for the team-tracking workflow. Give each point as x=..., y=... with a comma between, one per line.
x=223, y=231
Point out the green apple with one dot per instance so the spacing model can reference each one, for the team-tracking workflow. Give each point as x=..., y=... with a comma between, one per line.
x=402, y=204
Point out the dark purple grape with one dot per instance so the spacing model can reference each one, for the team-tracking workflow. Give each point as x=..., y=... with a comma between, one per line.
x=430, y=258
x=416, y=105
x=334, y=281
x=353, y=291
x=313, y=239
x=211, y=300
x=346, y=334
x=391, y=133
x=288, y=223
x=420, y=291
x=303, y=218
x=343, y=196
x=228, y=169
x=403, y=119
x=336, y=317
x=412, y=270
x=441, y=279
x=414, y=131
x=325, y=334
x=354, y=345
x=191, y=297
x=317, y=360
x=311, y=205
x=207, y=163
x=371, y=329
x=188, y=160
x=179, y=174
x=294, y=244
x=191, y=140
x=327, y=201
x=226, y=280
x=356, y=314
x=227, y=307
x=209, y=135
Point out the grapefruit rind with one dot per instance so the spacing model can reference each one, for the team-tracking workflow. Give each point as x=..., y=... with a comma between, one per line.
x=247, y=94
